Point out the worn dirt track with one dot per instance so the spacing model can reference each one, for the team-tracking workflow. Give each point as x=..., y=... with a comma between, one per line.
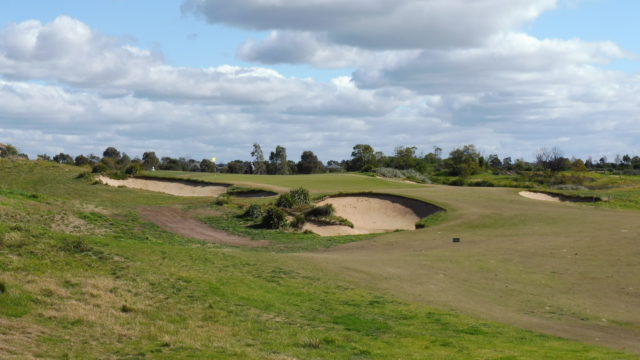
x=179, y=222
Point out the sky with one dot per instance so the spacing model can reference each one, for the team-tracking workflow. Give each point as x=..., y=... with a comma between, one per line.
x=203, y=78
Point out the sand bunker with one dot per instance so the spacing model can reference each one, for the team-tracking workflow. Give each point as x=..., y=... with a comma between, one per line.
x=539, y=196
x=171, y=187
x=557, y=198
x=371, y=213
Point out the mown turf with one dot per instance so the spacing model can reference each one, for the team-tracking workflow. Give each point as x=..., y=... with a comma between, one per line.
x=86, y=278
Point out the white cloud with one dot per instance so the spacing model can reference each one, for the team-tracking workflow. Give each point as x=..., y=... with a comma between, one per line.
x=379, y=24
x=65, y=87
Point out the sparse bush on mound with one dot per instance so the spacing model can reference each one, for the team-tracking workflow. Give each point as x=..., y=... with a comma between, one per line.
x=294, y=198
x=274, y=218
x=298, y=222
x=254, y=211
x=409, y=174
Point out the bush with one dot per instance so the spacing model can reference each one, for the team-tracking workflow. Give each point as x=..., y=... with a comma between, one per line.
x=254, y=211
x=481, y=183
x=133, y=169
x=298, y=222
x=457, y=182
x=274, y=218
x=322, y=211
x=294, y=198
x=3, y=288
x=389, y=173
x=409, y=174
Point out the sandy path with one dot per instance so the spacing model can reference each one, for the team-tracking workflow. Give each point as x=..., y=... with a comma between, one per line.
x=374, y=214
x=177, y=188
x=178, y=222
x=539, y=196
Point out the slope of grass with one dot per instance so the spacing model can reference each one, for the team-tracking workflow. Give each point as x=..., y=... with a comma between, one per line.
x=112, y=286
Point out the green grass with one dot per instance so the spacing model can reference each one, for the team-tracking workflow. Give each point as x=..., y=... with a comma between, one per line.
x=318, y=183
x=123, y=288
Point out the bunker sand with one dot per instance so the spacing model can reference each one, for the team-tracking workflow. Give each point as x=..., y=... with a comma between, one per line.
x=171, y=187
x=179, y=222
x=373, y=213
x=539, y=196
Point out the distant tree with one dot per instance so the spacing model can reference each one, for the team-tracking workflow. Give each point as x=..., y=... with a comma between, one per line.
x=93, y=158
x=237, y=167
x=82, y=160
x=309, y=164
x=111, y=152
x=494, y=162
x=635, y=162
x=207, y=166
x=463, y=162
x=589, y=163
x=169, y=163
x=63, y=159
x=626, y=161
x=259, y=165
x=43, y=157
x=278, y=160
x=123, y=162
x=578, y=165
x=150, y=160
x=404, y=157
x=362, y=158
x=551, y=159
x=507, y=163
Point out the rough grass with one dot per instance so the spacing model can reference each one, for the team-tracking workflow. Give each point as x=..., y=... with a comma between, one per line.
x=135, y=291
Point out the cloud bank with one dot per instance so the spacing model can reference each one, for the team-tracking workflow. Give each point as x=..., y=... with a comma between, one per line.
x=426, y=73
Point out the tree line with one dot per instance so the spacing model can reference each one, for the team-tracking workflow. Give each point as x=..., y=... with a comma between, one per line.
x=461, y=162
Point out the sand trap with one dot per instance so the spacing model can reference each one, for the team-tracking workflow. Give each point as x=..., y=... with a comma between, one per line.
x=539, y=196
x=372, y=213
x=177, y=188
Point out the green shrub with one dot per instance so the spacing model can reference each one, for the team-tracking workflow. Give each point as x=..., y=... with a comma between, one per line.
x=298, y=222
x=3, y=288
x=274, y=218
x=322, y=211
x=133, y=169
x=457, y=182
x=294, y=198
x=254, y=211
x=481, y=183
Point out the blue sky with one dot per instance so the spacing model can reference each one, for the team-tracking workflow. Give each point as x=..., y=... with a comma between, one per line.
x=510, y=77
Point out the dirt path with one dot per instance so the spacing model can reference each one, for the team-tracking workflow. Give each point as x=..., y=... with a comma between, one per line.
x=177, y=221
